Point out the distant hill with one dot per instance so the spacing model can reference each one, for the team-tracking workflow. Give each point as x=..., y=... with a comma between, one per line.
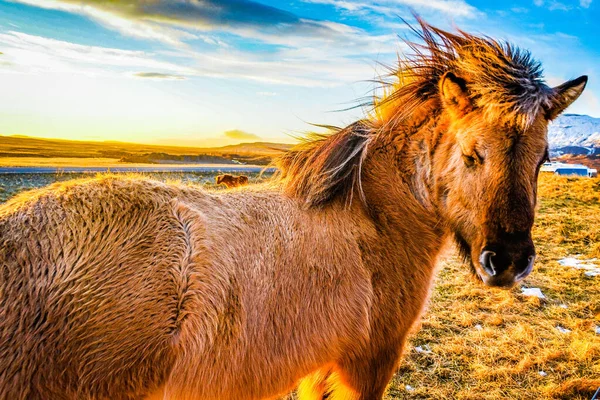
x=574, y=134
x=572, y=138
x=247, y=153
x=575, y=139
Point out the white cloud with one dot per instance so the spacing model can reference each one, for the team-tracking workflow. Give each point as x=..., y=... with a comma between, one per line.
x=112, y=17
x=238, y=134
x=37, y=54
x=170, y=21
x=455, y=8
x=26, y=53
x=305, y=52
x=585, y=3
x=158, y=76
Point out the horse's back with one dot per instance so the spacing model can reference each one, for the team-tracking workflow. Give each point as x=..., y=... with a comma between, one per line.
x=93, y=291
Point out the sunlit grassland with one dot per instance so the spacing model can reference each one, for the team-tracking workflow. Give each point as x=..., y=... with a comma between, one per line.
x=36, y=152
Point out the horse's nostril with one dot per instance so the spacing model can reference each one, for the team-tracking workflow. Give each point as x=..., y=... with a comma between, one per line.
x=527, y=271
x=485, y=259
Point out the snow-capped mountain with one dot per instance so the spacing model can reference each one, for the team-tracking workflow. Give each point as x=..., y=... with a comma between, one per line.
x=574, y=130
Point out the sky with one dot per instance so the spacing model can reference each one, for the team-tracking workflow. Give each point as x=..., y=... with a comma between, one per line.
x=217, y=72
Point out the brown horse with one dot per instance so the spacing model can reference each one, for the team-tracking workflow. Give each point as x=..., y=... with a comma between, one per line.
x=231, y=181
x=123, y=288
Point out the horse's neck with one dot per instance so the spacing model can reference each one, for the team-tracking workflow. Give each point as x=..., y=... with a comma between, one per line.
x=397, y=188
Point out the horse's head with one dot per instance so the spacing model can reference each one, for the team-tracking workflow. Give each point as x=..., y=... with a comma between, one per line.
x=486, y=170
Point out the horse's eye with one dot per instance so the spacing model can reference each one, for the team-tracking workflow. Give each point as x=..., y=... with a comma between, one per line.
x=470, y=161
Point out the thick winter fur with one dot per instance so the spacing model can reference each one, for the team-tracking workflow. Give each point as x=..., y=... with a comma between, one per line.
x=231, y=181
x=127, y=288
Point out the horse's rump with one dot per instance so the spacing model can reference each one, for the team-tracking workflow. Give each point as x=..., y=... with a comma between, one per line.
x=94, y=289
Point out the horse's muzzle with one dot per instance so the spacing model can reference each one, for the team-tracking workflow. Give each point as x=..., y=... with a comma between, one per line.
x=502, y=268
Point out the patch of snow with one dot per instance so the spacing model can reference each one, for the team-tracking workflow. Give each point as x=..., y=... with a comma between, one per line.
x=597, y=329
x=569, y=262
x=423, y=349
x=562, y=329
x=534, y=292
x=409, y=388
x=591, y=268
x=478, y=327
x=563, y=305
x=542, y=373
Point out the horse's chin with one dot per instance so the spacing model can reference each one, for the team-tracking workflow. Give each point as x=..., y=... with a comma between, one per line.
x=503, y=281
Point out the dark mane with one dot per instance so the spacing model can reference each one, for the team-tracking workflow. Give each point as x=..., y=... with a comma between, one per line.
x=503, y=82
x=325, y=167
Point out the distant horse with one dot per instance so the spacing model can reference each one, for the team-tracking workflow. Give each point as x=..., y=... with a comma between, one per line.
x=231, y=181
x=123, y=288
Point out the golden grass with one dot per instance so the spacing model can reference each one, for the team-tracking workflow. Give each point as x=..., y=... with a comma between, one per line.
x=493, y=344
x=23, y=146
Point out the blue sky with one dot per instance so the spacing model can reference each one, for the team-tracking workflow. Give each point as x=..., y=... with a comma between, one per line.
x=210, y=72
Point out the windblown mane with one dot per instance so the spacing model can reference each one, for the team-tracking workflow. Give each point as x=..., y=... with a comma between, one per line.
x=324, y=167
x=503, y=81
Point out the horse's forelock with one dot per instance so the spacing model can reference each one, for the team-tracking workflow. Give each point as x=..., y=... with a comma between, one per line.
x=504, y=82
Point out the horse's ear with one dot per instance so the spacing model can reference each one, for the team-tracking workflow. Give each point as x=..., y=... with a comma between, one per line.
x=454, y=93
x=564, y=95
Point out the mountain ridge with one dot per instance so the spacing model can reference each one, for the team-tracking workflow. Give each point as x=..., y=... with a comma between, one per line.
x=574, y=130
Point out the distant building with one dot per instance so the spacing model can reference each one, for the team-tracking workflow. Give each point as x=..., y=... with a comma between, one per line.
x=559, y=168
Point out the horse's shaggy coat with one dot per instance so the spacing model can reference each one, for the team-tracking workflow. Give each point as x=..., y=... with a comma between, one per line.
x=126, y=288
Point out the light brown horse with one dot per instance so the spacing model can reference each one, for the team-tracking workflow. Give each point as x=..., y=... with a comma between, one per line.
x=231, y=181
x=122, y=288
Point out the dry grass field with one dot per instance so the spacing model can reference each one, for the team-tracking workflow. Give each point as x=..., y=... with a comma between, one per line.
x=480, y=343
x=29, y=151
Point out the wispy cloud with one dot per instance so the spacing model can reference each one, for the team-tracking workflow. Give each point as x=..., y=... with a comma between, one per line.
x=238, y=134
x=302, y=52
x=31, y=53
x=456, y=8
x=26, y=53
x=171, y=21
x=555, y=5
x=585, y=3
x=158, y=75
